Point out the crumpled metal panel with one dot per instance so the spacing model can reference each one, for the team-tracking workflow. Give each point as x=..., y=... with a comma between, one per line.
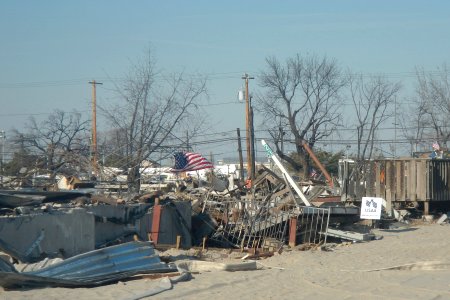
x=16, y=200
x=93, y=268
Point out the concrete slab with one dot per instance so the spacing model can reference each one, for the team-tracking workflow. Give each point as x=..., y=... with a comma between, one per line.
x=114, y=222
x=60, y=233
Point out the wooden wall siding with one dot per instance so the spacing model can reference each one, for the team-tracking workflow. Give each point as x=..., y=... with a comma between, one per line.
x=379, y=179
x=370, y=178
x=404, y=180
x=412, y=181
x=399, y=167
x=407, y=179
x=382, y=182
x=422, y=183
x=390, y=181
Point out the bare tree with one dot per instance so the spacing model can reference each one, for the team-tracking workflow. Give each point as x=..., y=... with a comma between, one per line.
x=428, y=119
x=151, y=109
x=303, y=97
x=372, y=100
x=61, y=141
x=413, y=122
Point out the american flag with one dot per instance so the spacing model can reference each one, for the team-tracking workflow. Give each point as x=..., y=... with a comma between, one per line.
x=188, y=161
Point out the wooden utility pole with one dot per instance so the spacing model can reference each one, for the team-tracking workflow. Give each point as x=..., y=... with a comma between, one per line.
x=246, y=77
x=241, y=161
x=252, y=142
x=187, y=141
x=94, y=155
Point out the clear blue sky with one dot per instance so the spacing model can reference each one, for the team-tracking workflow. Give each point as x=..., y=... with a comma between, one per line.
x=51, y=49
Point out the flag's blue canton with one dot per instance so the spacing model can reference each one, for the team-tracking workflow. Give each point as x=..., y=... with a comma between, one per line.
x=180, y=161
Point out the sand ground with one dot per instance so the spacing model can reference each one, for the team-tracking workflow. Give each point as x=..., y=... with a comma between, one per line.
x=313, y=274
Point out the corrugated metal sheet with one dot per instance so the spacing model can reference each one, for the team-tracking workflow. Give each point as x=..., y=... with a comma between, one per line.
x=93, y=268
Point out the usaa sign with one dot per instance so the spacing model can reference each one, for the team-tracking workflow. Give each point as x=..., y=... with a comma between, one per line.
x=371, y=208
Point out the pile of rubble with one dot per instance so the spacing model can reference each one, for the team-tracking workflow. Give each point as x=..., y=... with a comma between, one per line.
x=36, y=225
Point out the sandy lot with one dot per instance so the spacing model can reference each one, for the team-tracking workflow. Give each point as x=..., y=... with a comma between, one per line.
x=314, y=274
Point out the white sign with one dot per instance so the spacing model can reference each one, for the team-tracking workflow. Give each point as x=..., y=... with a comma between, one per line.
x=371, y=208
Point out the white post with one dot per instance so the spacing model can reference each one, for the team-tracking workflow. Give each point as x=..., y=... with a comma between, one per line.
x=283, y=170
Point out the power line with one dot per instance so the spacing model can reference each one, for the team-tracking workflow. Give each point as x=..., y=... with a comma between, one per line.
x=41, y=114
x=81, y=111
x=208, y=76
x=82, y=81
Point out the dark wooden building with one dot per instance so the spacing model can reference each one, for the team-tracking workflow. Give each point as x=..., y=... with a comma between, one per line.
x=414, y=180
